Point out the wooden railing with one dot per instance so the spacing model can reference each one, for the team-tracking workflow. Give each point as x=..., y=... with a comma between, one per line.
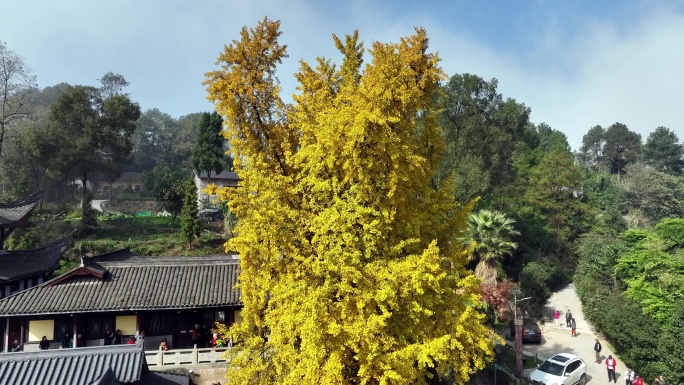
x=184, y=358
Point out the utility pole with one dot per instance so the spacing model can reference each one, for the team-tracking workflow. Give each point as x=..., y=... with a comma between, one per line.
x=518, y=323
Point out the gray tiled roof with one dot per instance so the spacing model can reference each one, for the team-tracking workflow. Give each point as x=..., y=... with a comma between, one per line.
x=12, y=212
x=82, y=366
x=18, y=264
x=226, y=175
x=33, y=198
x=142, y=283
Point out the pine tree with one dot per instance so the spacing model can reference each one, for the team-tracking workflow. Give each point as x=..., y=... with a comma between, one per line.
x=191, y=225
x=208, y=153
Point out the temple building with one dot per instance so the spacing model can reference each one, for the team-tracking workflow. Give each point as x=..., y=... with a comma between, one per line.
x=23, y=269
x=166, y=297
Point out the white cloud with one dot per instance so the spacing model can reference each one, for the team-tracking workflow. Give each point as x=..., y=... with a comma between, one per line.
x=596, y=73
x=602, y=76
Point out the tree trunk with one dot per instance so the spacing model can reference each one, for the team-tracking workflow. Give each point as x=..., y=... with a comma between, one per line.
x=487, y=271
x=84, y=198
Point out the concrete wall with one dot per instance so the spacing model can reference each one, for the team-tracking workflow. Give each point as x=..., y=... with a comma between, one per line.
x=209, y=376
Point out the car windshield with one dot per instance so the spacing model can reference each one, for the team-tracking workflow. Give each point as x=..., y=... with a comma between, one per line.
x=552, y=368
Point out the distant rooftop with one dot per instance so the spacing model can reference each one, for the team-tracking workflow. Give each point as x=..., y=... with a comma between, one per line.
x=14, y=213
x=224, y=175
x=18, y=264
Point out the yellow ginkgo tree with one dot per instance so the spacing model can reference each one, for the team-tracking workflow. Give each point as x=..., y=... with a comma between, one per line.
x=352, y=271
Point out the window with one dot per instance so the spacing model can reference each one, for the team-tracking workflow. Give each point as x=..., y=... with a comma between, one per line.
x=62, y=326
x=40, y=328
x=572, y=366
x=220, y=316
x=127, y=324
x=96, y=326
x=158, y=324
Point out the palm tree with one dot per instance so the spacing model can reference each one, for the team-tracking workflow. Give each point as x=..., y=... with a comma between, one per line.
x=491, y=231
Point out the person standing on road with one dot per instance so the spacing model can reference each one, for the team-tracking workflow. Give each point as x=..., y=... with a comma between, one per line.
x=573, y=326
x=611, y=363
x=597, y=350
x=629, y=376
x=568, y=317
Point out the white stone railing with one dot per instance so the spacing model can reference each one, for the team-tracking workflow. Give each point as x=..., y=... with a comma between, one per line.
x=184, y=358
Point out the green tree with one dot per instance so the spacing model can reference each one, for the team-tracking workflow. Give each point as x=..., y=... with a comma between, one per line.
x=493, y=233
x=153, y=140
x=653, y=193
x=88, y=135
x=621, y=148
x=537, y=280
x=671, y=347
x=17, y=86
x=593, y=147
x=550, y=139
x=191, y=225
x=348, y=269
x=633, y=334
x=663, y=151
x=112, y=84
x=168, y=187
x=208, y=153
x=185, y=139
x=654, y=275
x=480, y=131
x=554, y=188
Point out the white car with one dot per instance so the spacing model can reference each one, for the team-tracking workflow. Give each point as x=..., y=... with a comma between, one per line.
x=561, y=369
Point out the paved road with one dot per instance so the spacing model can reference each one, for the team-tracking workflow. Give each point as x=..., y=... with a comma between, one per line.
x=558, y=339
x=97, y=204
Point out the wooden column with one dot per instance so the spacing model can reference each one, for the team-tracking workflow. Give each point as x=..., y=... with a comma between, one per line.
x=74, y=335
x=6, y=337
x=518, y=344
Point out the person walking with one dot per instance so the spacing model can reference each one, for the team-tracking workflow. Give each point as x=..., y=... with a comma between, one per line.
x=638, y=380
x=556, y=318
x=597, y=350
x=568, y=318
x=659, y=381
x=573, y=326
x=611, y=363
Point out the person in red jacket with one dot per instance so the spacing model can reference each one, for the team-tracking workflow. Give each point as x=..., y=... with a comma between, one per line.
x=611, y=363
x=639, y=381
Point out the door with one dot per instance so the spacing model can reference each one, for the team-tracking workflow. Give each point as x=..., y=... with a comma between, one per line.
x=14, y=331
x=184, y=325
x=572, y=373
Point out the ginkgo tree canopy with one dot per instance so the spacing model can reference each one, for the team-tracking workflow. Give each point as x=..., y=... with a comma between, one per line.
x=352, y=271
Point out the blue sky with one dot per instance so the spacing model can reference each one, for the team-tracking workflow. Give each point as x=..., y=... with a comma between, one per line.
x=575, y=63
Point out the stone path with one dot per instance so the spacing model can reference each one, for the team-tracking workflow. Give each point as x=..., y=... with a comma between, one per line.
x=558, y=339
